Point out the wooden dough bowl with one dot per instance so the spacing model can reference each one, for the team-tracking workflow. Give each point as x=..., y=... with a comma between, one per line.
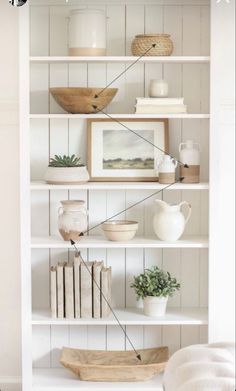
x=83, y=100
x=115, y=366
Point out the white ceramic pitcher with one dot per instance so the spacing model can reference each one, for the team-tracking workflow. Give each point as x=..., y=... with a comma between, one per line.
x=169, y=222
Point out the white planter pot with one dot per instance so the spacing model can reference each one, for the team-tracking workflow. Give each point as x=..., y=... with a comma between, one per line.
x=155, y=306
x=66, y=175
x=139, y=303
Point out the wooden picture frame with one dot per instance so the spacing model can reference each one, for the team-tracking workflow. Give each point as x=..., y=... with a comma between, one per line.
x=100, y=129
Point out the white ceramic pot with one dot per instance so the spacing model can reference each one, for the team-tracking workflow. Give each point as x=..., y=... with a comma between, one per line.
x=169, y=222
x=66, y=175
x=72, y=219
x=189, y=153
x=155, y=306
x=87, y=32
x=158, y=89
x=166, y=167
x=139, y=303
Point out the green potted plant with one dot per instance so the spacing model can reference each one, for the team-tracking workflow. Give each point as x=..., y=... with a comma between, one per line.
x=155, y=286
x=66, y=170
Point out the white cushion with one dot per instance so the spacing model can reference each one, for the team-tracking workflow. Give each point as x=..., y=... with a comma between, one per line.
x=202, y=368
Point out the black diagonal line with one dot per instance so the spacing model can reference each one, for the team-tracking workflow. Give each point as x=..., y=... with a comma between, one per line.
x=130, y=66
x=107, y=301
x=139, y=135
x=131, y=206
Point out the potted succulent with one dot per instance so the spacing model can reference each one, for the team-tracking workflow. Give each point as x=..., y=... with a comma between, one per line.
x=155, y=286
x=66, y=170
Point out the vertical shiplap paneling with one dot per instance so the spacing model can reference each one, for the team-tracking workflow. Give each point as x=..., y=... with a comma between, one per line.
x=189, y=335
x=39, y=46
x=135, y=75
x=59, y=30
x=154, y=22
x=96, y=337
x=173, y=26
x=134, y=266
x=171, y=337
x=39, y=94
x=59, y=338
x=70, y=136
x=41, y=338
x=39, y=22
x=116, y=46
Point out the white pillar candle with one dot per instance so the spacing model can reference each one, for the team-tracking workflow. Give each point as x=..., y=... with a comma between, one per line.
x=158, y=89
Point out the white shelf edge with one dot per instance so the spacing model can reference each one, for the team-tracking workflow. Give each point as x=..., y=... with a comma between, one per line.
x=61, y=379
x=48, y=242
x=40, y=185
x=120, y=59
x=119, y=116
x=130, y=317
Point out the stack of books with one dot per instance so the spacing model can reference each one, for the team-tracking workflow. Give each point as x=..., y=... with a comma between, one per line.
x=75, y=289
x=160, y=106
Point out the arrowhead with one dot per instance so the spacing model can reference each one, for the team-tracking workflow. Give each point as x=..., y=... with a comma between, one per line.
x=139, y=357
x=181, y=178
x=186, y=166
x=95, y=107
x=72, y=242
x=154, y=45
x=96, y=96
x=81, y=234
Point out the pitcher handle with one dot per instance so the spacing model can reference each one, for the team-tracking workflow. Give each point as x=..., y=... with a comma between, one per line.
x=189, y=210
x=60, y=211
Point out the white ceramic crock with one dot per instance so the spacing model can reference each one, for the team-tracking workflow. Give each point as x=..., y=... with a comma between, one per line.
x=155, y=306
x=169, y=222
x=72, y=219
x=66, y=175
x=87, y=32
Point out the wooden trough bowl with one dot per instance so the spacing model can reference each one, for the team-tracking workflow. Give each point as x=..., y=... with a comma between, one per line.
x=115, y=366
x=83, y=100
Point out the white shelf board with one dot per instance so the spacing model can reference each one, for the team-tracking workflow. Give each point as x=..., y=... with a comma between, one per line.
x=119, y=116
x=130, y=317
x=120, y=59
x=101, y=242
x=41, y=185
x=60, y=379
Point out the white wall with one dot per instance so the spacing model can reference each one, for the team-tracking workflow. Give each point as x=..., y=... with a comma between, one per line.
x=9, y=196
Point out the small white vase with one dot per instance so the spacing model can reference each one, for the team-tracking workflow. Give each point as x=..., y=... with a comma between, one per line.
x=139, y=303
x=66, y=175
x=158, y=89
x=155, y=306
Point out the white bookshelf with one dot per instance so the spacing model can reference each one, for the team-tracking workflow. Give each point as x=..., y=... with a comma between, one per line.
x=121, y=59
x=93, y=242
x=47, y=130
x=41, y=185
x=120, y=116
x=130, y=317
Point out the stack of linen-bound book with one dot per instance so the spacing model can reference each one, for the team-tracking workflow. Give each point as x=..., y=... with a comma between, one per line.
x=160, y=106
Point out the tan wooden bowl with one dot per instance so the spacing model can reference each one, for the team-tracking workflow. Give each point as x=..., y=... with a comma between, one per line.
x=83, y=100
x=115, y=366
x=120, y=230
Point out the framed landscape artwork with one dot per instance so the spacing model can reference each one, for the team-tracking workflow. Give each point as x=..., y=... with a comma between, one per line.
x=125, y=150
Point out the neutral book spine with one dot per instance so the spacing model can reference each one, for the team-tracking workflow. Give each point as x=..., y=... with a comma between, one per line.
x=60, y=291
x=69, y=291
x=106, y=290
x=97, y=268
x=86, y=289
x=151, y=109
x=77, y=263
x=160, y=101
x=53, y=291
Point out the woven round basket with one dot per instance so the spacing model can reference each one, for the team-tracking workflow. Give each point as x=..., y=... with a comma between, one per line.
x=144, y=45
